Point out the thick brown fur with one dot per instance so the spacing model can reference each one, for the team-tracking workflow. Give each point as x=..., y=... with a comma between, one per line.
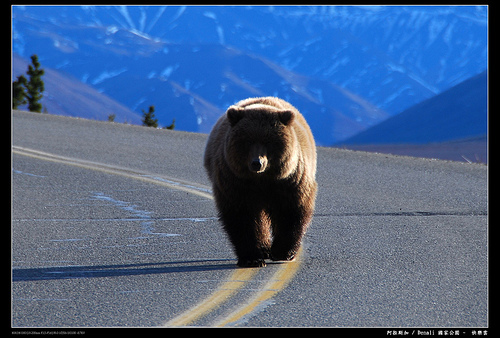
x=261, y=159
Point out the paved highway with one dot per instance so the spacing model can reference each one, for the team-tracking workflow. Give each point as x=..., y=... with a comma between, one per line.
x=114, y=225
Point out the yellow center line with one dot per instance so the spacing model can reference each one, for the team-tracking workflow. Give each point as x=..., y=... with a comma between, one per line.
x=189, y=187
x=276, y=283
x=238, y=278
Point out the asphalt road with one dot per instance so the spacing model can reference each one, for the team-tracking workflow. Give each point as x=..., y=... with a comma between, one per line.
x=113, y=225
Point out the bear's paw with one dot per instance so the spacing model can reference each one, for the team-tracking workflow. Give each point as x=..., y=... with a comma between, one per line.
x=251, y=263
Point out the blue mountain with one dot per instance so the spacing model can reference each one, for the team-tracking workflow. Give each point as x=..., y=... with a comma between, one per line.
x=346, y=68
x=458, y=113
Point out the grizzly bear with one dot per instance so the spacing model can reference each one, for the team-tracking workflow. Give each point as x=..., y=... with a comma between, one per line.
x=261, y=160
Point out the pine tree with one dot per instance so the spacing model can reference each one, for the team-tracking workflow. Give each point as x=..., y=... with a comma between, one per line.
x=19, y=92
x=35, y=85
x=170, y=127
x=149, y=118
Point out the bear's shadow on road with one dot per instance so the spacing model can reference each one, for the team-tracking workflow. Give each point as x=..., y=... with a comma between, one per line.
x=97, y=271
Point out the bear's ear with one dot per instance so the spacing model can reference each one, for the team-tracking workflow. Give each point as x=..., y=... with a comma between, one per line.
x=286, y=117
x=234, y=114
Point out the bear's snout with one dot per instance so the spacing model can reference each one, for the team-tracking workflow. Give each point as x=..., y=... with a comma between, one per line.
x=258, y=164
x=258, y=158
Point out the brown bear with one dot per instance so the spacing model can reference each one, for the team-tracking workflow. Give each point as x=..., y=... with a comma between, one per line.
x=261, y=159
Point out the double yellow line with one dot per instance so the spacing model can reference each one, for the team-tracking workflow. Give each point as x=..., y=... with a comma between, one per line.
x=189, y=187
x=276, y=283
x=238, y=279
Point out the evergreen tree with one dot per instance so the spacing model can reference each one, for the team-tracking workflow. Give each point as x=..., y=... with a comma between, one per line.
x=149, y=118
x=19, y=92
x=170, y=127
x=35, y=85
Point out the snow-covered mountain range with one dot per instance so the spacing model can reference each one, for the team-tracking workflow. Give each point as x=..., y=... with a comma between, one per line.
x=345, y=67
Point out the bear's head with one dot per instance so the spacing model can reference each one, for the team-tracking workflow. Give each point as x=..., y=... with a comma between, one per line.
x=261, y=141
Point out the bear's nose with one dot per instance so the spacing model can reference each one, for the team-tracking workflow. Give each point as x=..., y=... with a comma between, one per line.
x=257, y=164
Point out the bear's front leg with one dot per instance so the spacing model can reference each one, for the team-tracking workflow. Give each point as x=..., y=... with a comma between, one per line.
x=289, y=226
x=246, y=231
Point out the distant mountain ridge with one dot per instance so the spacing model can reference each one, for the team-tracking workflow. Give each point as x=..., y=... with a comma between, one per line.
x=190, y=83
x=345, y=67
x=457, y=113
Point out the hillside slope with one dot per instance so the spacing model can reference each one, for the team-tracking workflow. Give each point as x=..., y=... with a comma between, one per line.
x=65, y=95
x=457, y=113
